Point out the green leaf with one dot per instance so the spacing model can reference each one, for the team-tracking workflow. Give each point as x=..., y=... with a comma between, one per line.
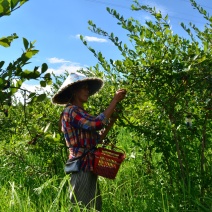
x=159, y=33
x=4, y=7
x=31, y=95
x=31, y=53
x=166, y=17
x=49, y=137
x=34, y=75
x=14, y=90
x=43, y=83
x=5, y=42
x=201, y=59
x=23, y=2
x=206, y=44
x=41, y=97
x=32, y=44
x=19, y=83
x=26, y=43
x=26, y=73
x=167, y=31
x=14, y=3
x=1, y=64
x=118, y=62
x=48, y=76
x=49, y=82
x=44, y=67
x=158, y=15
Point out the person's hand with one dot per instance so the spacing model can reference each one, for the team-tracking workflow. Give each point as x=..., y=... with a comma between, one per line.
x=120, y=95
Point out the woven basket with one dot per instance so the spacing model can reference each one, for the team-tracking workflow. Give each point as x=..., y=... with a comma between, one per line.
x=107, y=162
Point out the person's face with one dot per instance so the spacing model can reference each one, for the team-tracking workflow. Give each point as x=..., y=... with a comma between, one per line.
x=82, y=93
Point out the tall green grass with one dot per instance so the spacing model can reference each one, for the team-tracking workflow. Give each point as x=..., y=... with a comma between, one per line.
x=136, y=188
x=130, y=191
x=125, y=193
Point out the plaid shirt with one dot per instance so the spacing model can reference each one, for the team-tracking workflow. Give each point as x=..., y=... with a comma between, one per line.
x=80, y=131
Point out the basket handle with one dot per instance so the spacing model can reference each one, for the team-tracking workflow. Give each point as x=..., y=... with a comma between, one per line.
x=113, y=146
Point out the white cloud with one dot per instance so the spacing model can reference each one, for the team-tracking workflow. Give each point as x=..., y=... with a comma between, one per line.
x=147, y=17
x=29, y=87
x=93, y=39
x=57, y=60
x=19, y=95
x=65, y=67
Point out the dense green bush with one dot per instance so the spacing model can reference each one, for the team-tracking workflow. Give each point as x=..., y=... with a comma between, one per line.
x=168, y=108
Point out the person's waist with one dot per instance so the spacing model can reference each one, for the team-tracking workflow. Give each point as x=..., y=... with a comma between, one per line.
x=76, y=148
x=78, y=151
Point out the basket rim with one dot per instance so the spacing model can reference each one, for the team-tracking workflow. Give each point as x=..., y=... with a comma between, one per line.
x=120, y=156
x=113, y=146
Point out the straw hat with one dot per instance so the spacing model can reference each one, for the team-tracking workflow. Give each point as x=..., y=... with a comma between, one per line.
x=64, y=94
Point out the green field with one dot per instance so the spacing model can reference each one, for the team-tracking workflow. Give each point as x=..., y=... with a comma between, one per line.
x=28, y=183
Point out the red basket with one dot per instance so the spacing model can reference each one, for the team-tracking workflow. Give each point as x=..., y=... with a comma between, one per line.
x=107, y=162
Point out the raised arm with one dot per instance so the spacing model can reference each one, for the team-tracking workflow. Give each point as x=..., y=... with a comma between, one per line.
x=107, y=129
x=79, y=118
x=119, y=96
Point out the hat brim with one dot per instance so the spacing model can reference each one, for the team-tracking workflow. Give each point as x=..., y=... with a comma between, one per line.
x=63, y=96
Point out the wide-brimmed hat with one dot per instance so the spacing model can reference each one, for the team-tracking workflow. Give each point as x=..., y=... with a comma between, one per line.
x=64, y=94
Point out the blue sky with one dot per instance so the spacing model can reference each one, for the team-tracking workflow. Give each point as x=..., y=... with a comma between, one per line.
x=56, y=26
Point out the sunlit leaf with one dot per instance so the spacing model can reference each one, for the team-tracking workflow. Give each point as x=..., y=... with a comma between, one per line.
x=5, y=42
x=14, y=90
x=23, y=2
x=4, y=7
x=14, y=3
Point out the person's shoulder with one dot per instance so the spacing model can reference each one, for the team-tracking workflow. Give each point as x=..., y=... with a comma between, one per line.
x=70, y=108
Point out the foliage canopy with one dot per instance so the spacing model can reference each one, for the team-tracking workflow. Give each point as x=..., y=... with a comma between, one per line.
x=169, y=85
